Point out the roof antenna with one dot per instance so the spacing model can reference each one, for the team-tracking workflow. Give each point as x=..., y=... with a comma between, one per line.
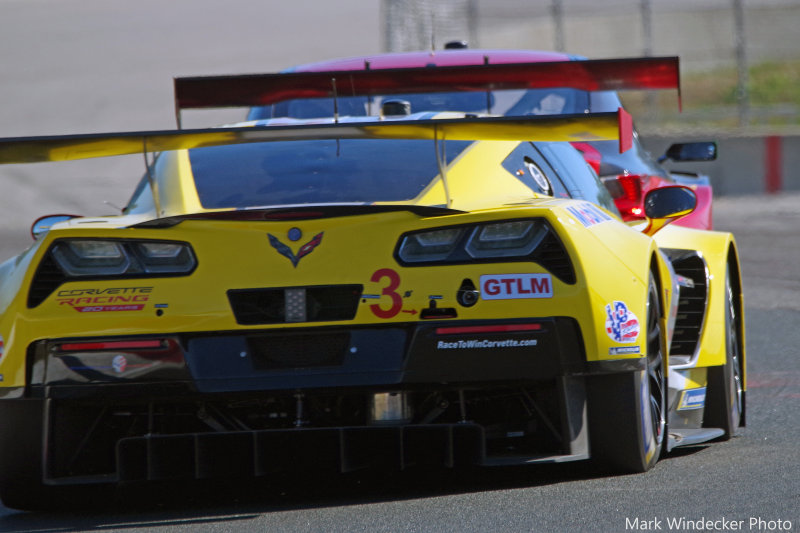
x=118, y=208
x=433, y=32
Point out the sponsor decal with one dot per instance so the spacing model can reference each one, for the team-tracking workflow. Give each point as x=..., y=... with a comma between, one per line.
x=623, y=350
x=103, y=300
x=588, y=214
x=621, y=324
x=2, y=346
x=304, y=250
x=515, y=286
x=464, y=344
x=119, y=364
x=692, y=399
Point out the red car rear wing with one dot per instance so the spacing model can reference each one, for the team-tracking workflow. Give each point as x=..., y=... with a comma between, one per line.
x=264, y=89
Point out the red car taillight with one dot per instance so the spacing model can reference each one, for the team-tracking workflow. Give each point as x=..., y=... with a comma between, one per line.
x=626, y=190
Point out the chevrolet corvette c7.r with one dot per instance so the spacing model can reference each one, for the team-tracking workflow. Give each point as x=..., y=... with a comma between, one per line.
x=417, y=290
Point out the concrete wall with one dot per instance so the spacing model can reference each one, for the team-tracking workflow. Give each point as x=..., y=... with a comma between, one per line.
x=744, y=165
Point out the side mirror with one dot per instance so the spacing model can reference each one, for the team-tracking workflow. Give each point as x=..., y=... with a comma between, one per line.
x=667, y=204
x=697, y=151
x=43, y=224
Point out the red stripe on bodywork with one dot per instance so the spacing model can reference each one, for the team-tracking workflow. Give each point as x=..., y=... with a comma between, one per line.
x=460, y=330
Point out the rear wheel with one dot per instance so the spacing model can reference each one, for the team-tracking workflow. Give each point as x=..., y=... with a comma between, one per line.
x=627, y=412
x=725, y=396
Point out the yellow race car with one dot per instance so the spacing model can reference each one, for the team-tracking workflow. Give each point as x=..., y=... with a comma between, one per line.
x=405, y=290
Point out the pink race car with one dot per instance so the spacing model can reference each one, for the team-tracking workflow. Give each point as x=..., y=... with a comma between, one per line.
x=563, y=85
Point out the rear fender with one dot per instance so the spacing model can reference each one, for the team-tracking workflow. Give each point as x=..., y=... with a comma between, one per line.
x=717, y=249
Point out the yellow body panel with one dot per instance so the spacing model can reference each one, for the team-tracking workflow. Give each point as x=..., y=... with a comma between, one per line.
x=716, y=248
x=612, y=264
x=234, y=255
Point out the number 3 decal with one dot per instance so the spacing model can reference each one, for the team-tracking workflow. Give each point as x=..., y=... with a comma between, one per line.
x=390, y=291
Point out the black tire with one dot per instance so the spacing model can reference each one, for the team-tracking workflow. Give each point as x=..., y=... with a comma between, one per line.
x=627, y=411
x=725, y=395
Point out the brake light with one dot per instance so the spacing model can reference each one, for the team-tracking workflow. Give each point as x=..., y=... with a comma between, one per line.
x=111, y=345
x=501, y=328
x=631, y=187
x=626, y=190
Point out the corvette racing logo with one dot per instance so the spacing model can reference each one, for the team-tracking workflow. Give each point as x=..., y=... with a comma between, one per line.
x=304, y=250
x=97, y=300
x=621, y=324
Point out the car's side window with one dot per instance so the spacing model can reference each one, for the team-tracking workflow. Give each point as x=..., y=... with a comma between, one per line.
x=581, y=180
x=527, y=165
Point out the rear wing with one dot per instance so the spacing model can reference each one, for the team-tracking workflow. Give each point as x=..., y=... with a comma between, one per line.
x=582, y=127
x=264, y=89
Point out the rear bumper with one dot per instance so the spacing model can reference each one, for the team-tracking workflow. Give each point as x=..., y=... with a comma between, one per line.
x=316, y=358
x=257, y=403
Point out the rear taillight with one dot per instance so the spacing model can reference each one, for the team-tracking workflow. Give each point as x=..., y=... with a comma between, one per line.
x=96, y=258
x=626, y=190
x=112, y=257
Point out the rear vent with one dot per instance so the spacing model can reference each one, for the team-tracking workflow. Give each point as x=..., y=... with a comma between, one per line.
x=269, y=306
x=692, y=304
x=48, y=278
x=552, y=256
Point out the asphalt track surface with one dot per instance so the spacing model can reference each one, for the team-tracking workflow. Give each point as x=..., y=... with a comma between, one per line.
x=751, y=477
x=81, y=66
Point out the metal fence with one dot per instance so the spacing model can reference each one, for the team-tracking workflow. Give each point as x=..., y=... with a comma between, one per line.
x=708, y=35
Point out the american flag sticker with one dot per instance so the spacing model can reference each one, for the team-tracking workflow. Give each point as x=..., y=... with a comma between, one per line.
x=621, y=324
